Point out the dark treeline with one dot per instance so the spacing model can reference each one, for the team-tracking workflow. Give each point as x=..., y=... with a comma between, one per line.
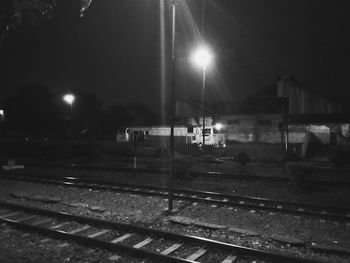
x=37, y=112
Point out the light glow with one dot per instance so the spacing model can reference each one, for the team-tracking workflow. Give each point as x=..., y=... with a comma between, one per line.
x=218, y=126
x=202, y=57
x=69, y=98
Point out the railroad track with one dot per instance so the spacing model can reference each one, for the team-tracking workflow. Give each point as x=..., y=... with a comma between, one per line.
x=310, y=183
x=146, y=243
x=253, y=203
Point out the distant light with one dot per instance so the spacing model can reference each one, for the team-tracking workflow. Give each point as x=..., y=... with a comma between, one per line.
x=69, y=98
x=202, y=57
x=2, y=113
x=218, y=126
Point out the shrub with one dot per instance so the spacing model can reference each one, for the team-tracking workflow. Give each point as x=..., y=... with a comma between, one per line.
x=124, y=150
x=341, y=154
x=207, y=158
x=289, y=156
x=242, y=157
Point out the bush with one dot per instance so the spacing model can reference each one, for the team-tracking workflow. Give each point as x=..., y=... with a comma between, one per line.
x=242, y=157
x=207, y=158
x=290, y=156
x=340, y=155
x=123, y=150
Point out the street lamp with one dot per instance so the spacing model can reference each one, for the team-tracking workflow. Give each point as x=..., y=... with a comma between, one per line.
x=172, y=117
x=69, y=98
x=202, y=58
x=218, y=126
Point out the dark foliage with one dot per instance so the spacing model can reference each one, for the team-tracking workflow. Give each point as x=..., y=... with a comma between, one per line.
x=34, y=112
x=38, y=113
x=242, y=157
x=340, y=154
x=27, y=13
x=290, y=156
x=16, y=13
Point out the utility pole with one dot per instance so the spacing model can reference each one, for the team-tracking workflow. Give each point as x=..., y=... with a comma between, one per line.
x=172, y=119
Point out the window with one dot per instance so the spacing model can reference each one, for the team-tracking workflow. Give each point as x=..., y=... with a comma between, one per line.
x=207, y=132
x=190, y=130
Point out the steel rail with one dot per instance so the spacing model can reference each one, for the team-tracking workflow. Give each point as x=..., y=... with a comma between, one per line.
x=190, y=192
x=213, y=244
x=198, y=196
x=95, y=242
x=314, y=183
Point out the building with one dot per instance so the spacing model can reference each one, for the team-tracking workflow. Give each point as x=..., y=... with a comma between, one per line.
x=284, y=113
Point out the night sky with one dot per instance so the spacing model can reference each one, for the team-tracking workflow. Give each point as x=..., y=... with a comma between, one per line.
x=114, y=51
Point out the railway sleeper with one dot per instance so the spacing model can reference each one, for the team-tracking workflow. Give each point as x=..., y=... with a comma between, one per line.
x=228, y=253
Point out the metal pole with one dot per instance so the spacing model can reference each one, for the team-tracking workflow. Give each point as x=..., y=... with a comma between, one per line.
x=70, y=121
x=172, y=120
x=204, y=69
x=203, y=112
x=287, y=136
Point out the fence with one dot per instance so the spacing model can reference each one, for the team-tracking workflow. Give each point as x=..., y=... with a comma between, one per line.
x=254, y=150
x=127, y=149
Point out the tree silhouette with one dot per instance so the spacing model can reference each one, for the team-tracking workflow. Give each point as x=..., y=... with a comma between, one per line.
x=16, y=13
x=33, y=112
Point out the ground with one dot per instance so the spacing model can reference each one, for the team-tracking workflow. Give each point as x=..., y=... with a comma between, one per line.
x=258, y=229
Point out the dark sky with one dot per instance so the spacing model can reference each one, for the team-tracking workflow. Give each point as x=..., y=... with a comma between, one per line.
x=115, y=51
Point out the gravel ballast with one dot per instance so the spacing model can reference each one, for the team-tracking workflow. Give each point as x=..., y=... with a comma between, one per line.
x=271, y=231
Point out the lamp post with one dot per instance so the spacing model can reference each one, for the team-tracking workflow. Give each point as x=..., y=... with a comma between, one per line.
x=202, y=58
x=69, y=98
x=218, y=126
x=172, y=118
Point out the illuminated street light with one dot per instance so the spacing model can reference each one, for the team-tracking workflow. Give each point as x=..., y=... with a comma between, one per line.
x=218, y=126
x=202, y=58
x=69, y=98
